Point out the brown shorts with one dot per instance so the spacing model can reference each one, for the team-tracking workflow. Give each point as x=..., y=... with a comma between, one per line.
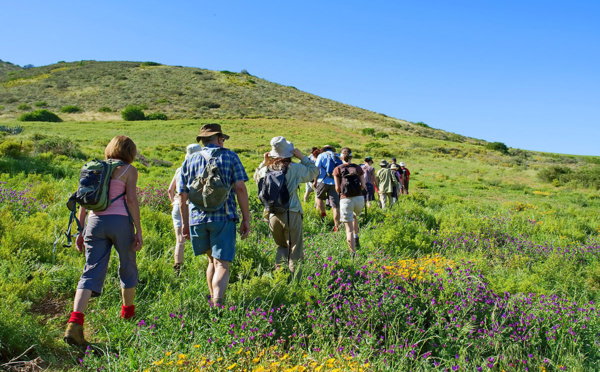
x=327, y=192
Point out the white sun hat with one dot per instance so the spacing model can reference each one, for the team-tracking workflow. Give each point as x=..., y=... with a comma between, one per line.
x=281, y=148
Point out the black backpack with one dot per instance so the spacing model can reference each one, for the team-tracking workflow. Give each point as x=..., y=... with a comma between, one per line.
x=352, y=184
x=273, y=192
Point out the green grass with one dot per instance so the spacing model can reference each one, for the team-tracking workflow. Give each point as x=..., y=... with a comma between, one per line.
x=482, y=211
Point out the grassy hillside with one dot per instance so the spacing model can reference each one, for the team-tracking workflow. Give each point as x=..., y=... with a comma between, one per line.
x=102, y=89
x=491, y=263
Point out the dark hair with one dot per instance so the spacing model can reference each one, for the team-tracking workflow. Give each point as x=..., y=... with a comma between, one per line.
x=346, y=154
x=280, y=163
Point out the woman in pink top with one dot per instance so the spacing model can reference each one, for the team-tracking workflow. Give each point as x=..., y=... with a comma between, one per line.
x=112, y=226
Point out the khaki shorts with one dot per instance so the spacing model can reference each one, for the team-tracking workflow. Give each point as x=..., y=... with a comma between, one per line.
x=351, y=206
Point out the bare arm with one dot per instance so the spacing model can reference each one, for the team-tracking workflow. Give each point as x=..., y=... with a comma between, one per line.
x=134, y=206
x=79, y=239
x=242, y=198
x=185, y=215
x=171, y=190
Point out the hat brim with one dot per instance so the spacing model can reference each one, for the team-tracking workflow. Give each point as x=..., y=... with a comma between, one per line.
x=208, y=134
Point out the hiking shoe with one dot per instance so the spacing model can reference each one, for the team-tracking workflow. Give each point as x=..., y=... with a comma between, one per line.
x=74, y=335
x=356, y=243
x=177, y=268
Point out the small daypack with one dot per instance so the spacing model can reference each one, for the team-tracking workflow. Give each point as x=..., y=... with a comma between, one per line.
x=209, y=191
x=93, y=190
x=332, y=162
x=273, y=192
x=351, y=183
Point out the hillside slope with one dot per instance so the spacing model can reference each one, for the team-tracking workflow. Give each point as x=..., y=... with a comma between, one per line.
x=181, y=93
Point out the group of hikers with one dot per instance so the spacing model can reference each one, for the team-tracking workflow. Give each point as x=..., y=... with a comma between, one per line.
x=204, y=192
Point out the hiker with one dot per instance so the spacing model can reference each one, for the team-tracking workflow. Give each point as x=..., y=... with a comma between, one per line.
x=314, y=152
x=406, y=177
x=118, y=225
x=213, y=232
x=350, y=183
x=385, y=183
x=395, y=168
x=325, y=185
x=174, y=198
x=285, y=223
x=370, y=182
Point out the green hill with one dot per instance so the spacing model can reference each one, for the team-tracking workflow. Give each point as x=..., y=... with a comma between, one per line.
x=180, y=93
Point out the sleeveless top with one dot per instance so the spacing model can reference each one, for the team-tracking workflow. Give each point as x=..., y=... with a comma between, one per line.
x=117, y=187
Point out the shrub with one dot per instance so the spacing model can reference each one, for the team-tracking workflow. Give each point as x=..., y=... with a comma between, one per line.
x=15, y=149
x=497, y=146
x=133, y=113
x=41, y=104
x=11, y=130
x=59, y=146
x=163, y=101
x=104, y=109
x=70, y=109
x=24, y=107
x=228, y=72
x=156, y=116
x=1, y=107
x=381, y=135
x=151, y=64
x=208, y=104
x=553, y=173
x=40, y=115
x=421, y=124
x=368, y=131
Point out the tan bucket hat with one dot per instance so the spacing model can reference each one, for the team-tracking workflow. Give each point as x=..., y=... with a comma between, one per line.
x=208, y=130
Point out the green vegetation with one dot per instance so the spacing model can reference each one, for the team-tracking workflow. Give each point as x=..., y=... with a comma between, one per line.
x=41, y=104
x=23, y=107
x=156, y=116
x=483, y=245
x=497, y=146
x=104, y=109
x=40, y=115
x=133, y=113
x=70, y=109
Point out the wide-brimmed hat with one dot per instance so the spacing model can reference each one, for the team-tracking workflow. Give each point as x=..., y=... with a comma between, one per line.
x=328, y=148
x=402, y=164
x=383, y=163
x=394, y=166
x=194, y=147
x=281, y=148
x=208, y=130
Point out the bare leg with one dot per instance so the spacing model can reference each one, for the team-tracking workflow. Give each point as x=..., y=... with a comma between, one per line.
x=179, y=246
x=321, y=205
x=220, y=280
x=82, y=297
x=336, y=217
x=210, y=273
x=350, y=236
x=128, y=296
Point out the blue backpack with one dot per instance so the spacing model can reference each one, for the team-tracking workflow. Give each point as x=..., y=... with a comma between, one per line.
x=332, y=162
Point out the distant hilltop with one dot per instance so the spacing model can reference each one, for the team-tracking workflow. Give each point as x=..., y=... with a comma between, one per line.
x=104, y=89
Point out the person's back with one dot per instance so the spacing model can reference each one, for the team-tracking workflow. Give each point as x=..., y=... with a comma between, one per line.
x=386, y=180
x=325, y=187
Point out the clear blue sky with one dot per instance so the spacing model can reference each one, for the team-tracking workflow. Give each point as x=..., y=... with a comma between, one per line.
x=526, y=73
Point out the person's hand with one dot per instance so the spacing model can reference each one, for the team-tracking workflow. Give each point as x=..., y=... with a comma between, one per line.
x=79, y=242
x=185, y=231
x=244, y=229
x=138, y=242
x=266, y=158
x=297, y=153
x=338, y=190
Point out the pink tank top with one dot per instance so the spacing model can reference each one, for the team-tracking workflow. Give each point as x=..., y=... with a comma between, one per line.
x=117, y=187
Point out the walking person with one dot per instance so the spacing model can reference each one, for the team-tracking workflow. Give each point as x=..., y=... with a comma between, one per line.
x=395, y=168
x=385, y=182
x=370, y=181
x=406, y=178
x=118, y=225
x=286, y=226
x=175, y=215
x=314, y=152
x=350, y=183
x=325, y=185
x=214, y=232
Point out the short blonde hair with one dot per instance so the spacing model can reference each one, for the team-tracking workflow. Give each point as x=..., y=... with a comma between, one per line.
x=121, y=147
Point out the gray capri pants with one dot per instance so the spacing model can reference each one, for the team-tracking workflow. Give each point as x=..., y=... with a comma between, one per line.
x=101, y=233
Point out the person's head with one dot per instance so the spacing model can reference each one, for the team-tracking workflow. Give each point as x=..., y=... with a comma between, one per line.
x=402, y=164
x=212, y=134
x=393, y=160
x=383, y=163
x=346, y=155
x=328, y=148
x=394, y=167
x=121, y=147
x=194, y=147
x=315, y=151
x=369, y=160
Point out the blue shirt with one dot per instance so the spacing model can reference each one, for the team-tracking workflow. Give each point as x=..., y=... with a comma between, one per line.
x=231, y=168
x=321, y=163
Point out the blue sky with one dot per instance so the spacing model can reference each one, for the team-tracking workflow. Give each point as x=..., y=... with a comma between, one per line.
x=525, y=73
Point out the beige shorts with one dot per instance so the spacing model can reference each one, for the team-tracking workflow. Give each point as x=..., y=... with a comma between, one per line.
x=351, y=206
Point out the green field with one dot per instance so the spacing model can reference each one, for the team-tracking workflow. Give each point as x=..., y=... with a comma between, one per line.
x=491, y=263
